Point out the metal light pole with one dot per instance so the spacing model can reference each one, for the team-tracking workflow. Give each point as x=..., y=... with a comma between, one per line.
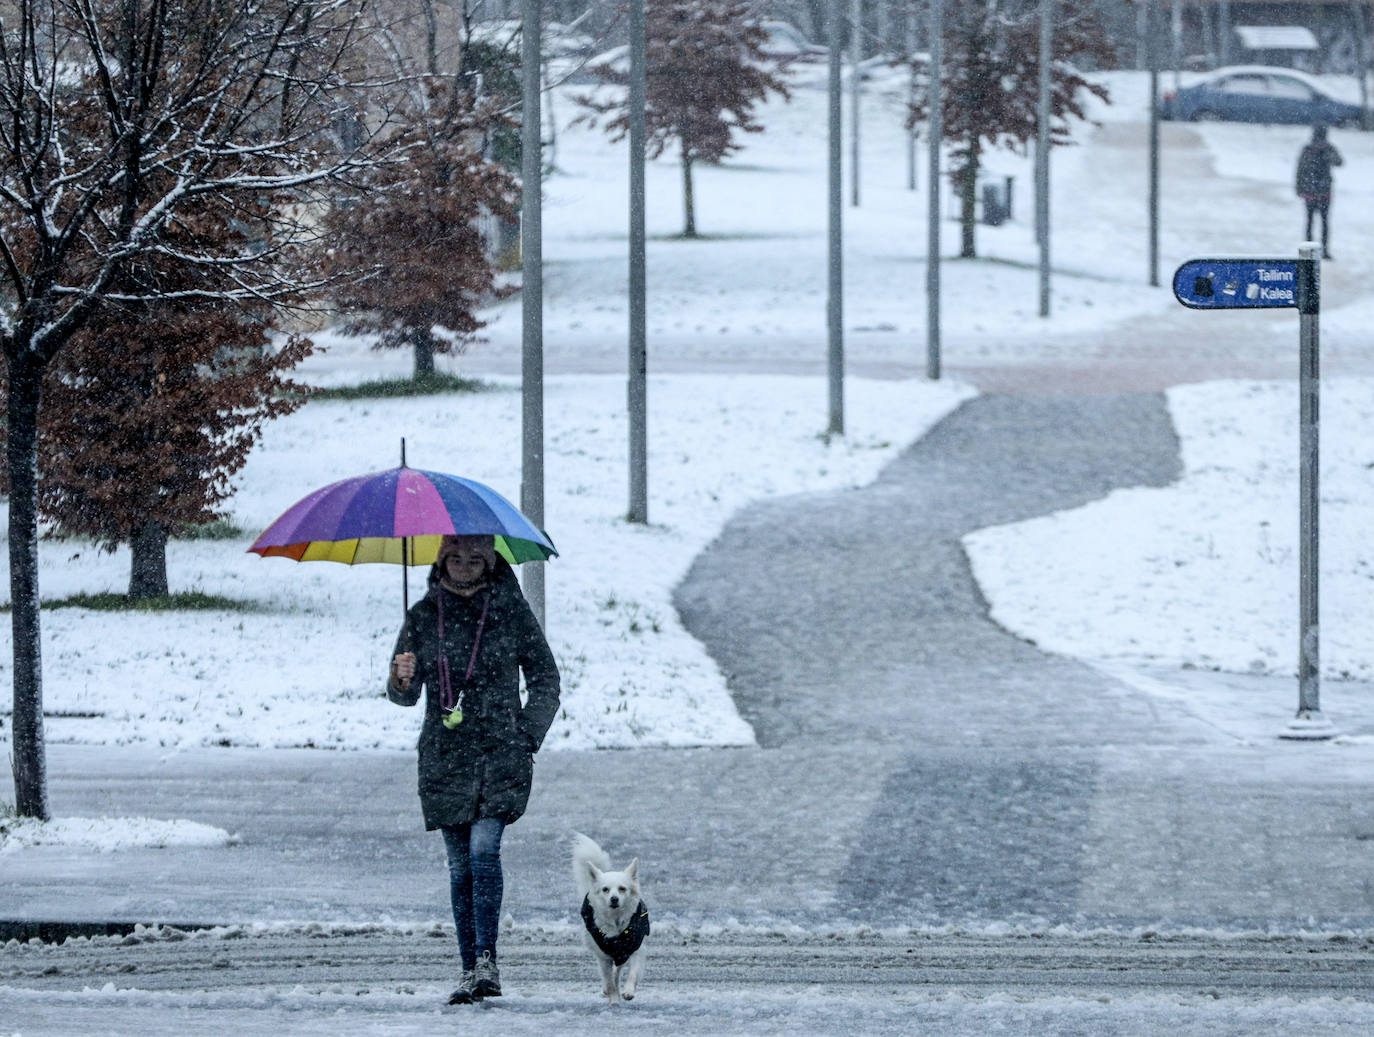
x=1152, y=52
x=532, y=296
x=1042, y=153
x=911, y=134
x=834, y=308
x=855, y=56
x=934, y=131
x=1176, y=39
x=1362, y=34
x=638, y=360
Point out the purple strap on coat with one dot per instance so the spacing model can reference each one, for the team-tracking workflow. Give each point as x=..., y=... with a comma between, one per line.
x=446, y=698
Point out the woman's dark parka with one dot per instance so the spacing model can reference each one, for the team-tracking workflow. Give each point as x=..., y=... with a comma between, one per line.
x=484, y=766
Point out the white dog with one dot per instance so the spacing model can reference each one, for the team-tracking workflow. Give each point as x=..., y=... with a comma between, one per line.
x=615, y=916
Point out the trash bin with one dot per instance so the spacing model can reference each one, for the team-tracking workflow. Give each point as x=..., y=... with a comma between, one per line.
x=994, y=206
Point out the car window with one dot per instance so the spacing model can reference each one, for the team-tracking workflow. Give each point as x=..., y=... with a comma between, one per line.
x=1290, y=89
x=1244, y=84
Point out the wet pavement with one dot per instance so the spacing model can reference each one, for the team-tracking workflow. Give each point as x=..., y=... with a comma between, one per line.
x=917, y=765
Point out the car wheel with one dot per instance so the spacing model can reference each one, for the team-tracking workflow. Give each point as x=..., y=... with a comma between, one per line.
x=1206, y=115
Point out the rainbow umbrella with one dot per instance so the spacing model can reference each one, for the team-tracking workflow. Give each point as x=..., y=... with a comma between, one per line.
x=399, y=516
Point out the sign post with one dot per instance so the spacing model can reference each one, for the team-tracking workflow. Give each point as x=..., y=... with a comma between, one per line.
x=1309, y=723
x=1229, y=284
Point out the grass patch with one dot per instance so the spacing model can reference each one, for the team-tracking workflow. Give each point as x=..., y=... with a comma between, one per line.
x=220, y=529
x=185, y=601
x=392, y=388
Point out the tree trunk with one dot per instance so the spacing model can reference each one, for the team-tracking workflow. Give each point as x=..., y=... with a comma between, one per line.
x=424, y=357
x=148, y=573
x=431, y=37
x=688, y=202
x=968, y=194
x=29, y=761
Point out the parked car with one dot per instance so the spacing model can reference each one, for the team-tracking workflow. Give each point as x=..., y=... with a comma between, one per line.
x=1259, y=93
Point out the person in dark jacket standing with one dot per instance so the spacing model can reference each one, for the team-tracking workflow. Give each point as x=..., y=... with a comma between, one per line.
x=1314, y=182
x=466, y=644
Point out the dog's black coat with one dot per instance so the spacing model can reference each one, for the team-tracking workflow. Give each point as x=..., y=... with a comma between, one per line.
x=619, y=947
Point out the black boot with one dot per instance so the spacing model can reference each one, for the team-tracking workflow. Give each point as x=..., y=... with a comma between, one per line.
x=487, y=978
x=467, y=987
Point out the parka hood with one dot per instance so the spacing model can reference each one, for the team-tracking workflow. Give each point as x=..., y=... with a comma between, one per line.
x=503, y=575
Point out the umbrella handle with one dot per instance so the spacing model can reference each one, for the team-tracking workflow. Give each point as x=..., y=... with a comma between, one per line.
x=405, y=556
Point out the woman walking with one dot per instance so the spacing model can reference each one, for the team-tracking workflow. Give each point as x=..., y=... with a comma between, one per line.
x=466, y=644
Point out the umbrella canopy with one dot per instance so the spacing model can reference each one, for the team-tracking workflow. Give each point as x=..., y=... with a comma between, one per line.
x=399, y=516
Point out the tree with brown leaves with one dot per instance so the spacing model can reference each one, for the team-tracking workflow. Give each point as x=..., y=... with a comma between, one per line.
x=704, y=72
x=150, y=410
x=407, y=237
x=116, y=118
x=990, y=79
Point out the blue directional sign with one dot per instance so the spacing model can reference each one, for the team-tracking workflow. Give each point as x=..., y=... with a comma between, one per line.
x=1230, y=284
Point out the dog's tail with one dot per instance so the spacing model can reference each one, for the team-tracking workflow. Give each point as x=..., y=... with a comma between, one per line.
x=586, y=852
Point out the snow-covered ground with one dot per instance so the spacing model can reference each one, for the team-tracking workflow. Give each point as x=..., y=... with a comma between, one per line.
x=1200, y=574
x=1204, y=573
x=106, y=834
x=685, y=1009
x=375, y=980
x=306, y=665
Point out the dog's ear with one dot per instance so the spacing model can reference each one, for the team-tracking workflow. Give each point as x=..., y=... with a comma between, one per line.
x=632, y=872
x=593, y=873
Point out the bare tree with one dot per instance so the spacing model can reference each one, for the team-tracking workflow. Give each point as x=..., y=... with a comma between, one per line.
x=151, y=408
x=116, y=116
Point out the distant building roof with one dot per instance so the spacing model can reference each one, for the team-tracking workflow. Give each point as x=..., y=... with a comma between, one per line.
x=1276, y=37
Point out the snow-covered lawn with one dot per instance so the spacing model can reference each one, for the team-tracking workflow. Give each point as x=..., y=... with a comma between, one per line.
x=305, y=666
x=1204, y=573
x=106, y=834
x=1198, y=574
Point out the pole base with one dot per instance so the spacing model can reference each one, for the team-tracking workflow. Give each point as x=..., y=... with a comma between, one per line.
x=1309, y=726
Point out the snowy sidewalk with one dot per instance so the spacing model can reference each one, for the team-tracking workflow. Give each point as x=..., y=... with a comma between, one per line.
x=1237, y=838
x=919, y=766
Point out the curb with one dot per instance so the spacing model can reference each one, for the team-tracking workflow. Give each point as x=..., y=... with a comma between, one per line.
x=26, y=930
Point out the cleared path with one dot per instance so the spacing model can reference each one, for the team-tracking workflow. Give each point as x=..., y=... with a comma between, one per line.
x=984, y=779
x=853, y=617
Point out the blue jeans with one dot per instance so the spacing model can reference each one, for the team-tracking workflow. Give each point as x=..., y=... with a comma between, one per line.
x=475, y=885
